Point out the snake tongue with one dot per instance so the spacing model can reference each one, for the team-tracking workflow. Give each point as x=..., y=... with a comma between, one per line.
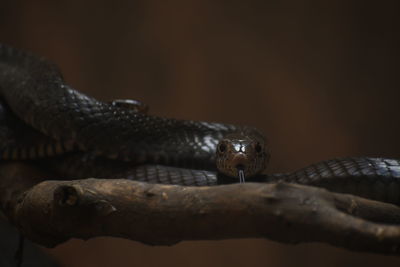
x=241, y=176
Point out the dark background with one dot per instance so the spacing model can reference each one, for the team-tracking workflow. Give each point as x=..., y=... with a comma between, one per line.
x=320, y=78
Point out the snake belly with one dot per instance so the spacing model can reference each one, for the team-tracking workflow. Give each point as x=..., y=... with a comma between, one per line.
x=43, y=119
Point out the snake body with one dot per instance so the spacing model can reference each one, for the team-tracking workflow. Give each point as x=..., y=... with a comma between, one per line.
x=44, y=119
x=35, y=91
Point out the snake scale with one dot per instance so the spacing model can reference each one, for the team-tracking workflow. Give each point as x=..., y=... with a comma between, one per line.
x=42, y=119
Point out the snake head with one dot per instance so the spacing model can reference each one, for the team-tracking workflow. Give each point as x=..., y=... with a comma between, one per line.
x=242, y=155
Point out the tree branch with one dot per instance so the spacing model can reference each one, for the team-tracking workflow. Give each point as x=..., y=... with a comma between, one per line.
x=52, y=212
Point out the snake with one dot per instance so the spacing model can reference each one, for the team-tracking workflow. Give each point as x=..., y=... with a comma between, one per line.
x=46, y=121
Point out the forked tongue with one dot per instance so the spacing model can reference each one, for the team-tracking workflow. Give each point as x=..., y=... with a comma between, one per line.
x=241, y=176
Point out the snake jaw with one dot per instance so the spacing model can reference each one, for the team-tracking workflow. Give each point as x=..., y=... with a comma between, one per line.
x=241, y=166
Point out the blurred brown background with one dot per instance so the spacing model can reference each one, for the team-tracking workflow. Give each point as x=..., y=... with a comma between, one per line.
x=320, y=78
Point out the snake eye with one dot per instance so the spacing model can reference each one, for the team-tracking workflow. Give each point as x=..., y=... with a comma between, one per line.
x=258, y=148
x=222, y=148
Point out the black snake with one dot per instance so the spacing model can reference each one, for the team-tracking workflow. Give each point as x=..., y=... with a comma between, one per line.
x=45, y=120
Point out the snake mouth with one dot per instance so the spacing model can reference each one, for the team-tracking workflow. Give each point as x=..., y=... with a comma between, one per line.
x=240, y=166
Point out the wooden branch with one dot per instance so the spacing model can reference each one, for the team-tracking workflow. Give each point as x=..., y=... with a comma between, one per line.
x=52, y=212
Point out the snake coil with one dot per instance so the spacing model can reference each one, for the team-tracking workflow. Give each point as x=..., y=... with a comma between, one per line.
x=44, y=119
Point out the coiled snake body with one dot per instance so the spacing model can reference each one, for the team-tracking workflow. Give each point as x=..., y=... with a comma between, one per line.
x=43, y=119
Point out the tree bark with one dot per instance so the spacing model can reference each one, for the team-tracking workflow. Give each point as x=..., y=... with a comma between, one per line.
x=50, y=212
